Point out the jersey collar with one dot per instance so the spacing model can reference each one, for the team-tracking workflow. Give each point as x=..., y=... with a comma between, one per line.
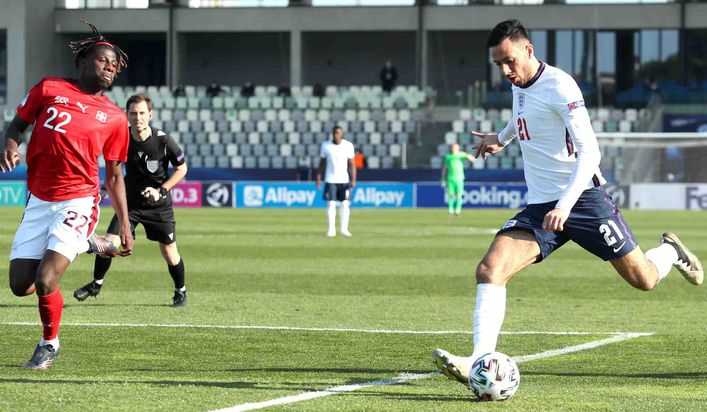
x=535, y=78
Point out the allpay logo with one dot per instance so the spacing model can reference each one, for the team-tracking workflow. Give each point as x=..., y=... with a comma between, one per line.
x=261, y=195
x=495, y=197
x=253, y=196
x=376, y=197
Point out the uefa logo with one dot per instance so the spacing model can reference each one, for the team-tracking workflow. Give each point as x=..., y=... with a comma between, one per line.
x=218, y=195
x=253, y=196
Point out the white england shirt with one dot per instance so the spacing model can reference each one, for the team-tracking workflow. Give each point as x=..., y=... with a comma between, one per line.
x=560, y=151
x=337, y=160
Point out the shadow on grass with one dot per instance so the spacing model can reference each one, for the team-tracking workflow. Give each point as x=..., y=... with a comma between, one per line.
x=232, y=384
x=389, y=373
x=147, y=305
x=675, y=375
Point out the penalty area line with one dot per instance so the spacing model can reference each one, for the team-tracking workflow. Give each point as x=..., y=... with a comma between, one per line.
x=410, y=377
x=310, y=329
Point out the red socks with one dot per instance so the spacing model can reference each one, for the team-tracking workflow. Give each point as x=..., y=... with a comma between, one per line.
x=50, y=308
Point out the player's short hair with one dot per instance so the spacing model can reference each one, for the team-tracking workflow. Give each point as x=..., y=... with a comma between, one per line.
x=81, y=47
x=137, y=98
x=335, y=128
x=509, y=29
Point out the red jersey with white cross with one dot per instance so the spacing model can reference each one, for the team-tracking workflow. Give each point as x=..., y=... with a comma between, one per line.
x=71, y=129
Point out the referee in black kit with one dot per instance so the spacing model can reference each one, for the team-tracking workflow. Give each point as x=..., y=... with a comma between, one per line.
x=147, y=187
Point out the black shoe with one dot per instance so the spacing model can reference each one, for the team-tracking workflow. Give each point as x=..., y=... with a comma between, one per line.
x=179, y=299
x=42, y=358
x=102, y=246
x=90, y=289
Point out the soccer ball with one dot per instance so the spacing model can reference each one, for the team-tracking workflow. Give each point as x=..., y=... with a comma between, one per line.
x=494, y=377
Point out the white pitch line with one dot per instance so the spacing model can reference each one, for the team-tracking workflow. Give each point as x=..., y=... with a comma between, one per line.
x=408, y=377
x=306, y=329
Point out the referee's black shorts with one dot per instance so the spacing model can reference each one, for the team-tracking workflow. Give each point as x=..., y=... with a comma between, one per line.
x=159, y=223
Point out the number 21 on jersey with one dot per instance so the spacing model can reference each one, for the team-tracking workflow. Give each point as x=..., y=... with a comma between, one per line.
x=523, y=129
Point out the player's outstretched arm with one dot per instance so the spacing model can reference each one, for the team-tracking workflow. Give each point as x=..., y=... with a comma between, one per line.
x=443, y=178
x=13, y=138
x=116, y=190
x=489, y=144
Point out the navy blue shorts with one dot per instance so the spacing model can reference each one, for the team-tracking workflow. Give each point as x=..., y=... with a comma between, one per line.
x=594, y=223
x=337, y=192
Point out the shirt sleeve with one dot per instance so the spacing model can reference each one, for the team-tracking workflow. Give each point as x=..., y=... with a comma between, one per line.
x=174, y=152
x=570, y=105
x=508, y=133
x=29, y=107
x=351, y=153
x=116, y=147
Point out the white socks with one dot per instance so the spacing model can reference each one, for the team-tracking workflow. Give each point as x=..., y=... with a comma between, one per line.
x=345, y=213
x=663, y=258
x=54, y=342
x=331, y=217
x=488, y=317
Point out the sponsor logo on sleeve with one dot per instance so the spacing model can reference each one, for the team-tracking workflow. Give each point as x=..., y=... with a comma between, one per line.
x=575, y=105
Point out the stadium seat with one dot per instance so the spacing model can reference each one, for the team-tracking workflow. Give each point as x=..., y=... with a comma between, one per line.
x=236, y=162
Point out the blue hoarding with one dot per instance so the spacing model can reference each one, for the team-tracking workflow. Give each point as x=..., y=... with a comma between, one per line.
x=305, y=194
x=475, y=195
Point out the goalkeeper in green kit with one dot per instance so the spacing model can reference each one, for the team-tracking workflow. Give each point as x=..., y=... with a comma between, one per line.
x=453, y=178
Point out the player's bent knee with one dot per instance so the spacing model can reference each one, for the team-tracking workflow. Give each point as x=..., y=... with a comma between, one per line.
x=488, y=273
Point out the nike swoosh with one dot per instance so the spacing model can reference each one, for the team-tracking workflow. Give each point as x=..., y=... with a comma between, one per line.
x=616, y=249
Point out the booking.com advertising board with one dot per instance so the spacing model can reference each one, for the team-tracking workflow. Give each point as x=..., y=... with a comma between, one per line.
x=502, y=195
x=305, y=195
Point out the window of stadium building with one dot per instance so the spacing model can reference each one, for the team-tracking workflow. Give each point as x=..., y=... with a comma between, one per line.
x=329, y=3
x=106, y=4
x=574, y=53
x=656, y=53
x=238, y=3
x=3, y=67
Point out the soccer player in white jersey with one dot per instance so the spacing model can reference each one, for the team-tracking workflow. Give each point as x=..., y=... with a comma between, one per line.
x=337, y=157
x=566, y=200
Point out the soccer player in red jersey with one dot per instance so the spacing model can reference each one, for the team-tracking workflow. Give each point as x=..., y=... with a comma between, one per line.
x=74, y=122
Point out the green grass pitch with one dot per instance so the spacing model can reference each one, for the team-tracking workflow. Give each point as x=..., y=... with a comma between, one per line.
x=405, y=270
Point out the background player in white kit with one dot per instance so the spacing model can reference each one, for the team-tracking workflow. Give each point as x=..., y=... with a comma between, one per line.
x=565, y=198
x=337, y=157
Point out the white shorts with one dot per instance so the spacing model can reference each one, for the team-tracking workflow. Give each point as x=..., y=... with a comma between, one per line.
x=62, y=226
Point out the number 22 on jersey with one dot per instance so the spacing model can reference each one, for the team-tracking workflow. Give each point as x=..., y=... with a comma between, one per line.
x=64, y=118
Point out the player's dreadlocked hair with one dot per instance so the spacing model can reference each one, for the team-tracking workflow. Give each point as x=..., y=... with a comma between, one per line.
x=81, y=47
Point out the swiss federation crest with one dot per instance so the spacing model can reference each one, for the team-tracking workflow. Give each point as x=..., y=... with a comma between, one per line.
x=521, y=102
x=152, y=165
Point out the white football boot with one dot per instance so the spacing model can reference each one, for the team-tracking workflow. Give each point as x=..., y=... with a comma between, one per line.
x=452, y=366
x=688, y=264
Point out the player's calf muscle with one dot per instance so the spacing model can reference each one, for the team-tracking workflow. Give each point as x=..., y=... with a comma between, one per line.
x=637, y=270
